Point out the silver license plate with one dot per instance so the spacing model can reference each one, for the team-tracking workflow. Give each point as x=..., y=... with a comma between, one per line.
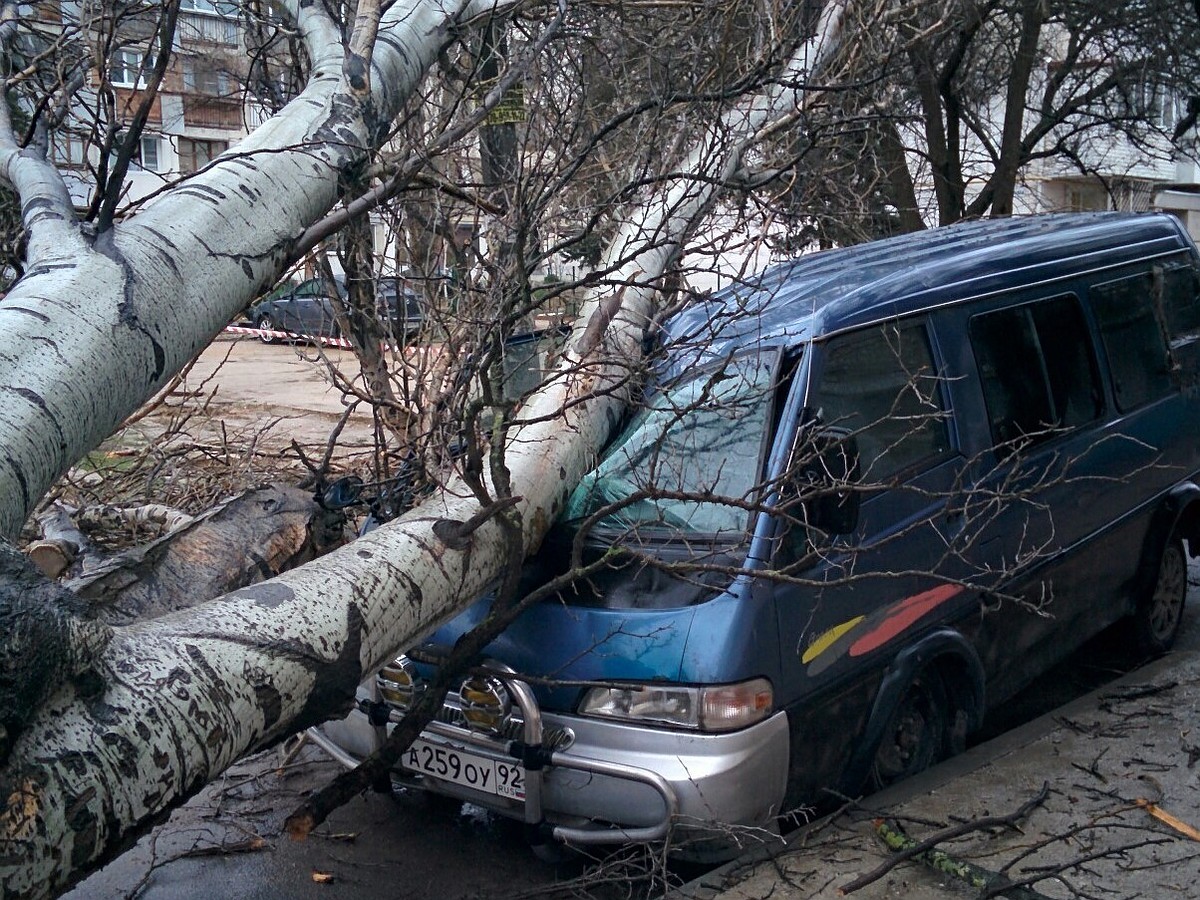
x=451, y=764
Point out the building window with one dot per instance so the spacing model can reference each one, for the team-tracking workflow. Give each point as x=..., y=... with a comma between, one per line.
x=201, y=76
x=208, y=6
x=147, y=157
x=68, y=150
x=128, y=68
x=206, y=21
x=1161, y=103
x=195, y=154
x=1086, y=197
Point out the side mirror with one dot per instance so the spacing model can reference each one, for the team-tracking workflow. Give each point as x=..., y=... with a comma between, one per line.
x=342, y=493
x=832, y=469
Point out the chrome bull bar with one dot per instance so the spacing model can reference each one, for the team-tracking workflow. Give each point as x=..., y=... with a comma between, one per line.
x=535, y=758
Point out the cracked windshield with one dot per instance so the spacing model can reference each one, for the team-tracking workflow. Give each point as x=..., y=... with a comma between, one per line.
x=691, y=460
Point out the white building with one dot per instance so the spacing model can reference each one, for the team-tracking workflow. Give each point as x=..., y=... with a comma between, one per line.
x=200, y=111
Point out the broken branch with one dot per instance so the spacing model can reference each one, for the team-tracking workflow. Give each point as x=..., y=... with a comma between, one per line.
x=1165, y=817
x=906, y=848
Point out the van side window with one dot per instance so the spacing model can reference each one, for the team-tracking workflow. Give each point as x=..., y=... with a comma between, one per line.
x=881, y=386
x=1038, y=371
x=1133, y=340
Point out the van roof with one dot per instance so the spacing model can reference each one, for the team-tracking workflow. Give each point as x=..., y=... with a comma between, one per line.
x=823, y=293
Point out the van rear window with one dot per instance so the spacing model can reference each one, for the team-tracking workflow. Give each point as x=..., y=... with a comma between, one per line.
x=1181, y=303
x=1133, y=340
x=1038, y=371
x=1181, y=311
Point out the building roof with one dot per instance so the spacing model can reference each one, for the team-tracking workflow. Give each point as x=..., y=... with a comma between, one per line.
x=827, y=292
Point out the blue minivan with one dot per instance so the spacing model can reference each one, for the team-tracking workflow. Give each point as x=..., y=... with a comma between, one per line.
x=868, y=496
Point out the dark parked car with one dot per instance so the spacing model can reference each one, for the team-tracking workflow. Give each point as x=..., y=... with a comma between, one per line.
x=306, y=310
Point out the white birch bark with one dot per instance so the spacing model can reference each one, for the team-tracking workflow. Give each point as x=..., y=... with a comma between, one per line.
x=100, y=322
x=179, y=698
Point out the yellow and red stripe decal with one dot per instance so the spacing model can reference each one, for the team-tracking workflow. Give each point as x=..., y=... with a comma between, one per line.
x=863, y=634
x=825, y=641
x=903, y=615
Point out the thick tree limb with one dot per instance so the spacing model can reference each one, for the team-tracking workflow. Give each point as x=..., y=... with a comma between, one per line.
x=183, y=696
x=407, y=170
x=44, y=640
x=86, y=338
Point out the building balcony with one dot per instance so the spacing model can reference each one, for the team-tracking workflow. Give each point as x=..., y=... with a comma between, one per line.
x=206, y=28
x=212, y=112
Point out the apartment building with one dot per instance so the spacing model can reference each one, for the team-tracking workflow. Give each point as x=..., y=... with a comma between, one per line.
x=1111, y=172
x=201, y=108
x=1122, y=176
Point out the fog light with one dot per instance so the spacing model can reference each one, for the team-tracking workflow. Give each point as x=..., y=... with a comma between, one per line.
x=485, y=704
x=399, y=683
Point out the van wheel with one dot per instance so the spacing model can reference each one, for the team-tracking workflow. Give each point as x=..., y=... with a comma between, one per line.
x=915, y=736
x=1159, y=612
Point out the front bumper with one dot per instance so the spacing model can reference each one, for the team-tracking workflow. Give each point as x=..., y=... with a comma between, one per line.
x=610, y=782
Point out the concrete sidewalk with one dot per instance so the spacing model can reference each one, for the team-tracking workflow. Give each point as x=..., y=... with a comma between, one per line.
x=1136, y=738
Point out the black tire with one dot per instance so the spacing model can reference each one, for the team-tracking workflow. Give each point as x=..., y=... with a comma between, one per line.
x=915, y=736
x=265, y=326
x=1159, y=612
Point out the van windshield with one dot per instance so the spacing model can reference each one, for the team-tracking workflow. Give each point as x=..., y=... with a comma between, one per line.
x=691, y=460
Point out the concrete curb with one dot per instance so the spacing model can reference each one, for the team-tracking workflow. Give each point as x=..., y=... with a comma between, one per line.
x=998, y=772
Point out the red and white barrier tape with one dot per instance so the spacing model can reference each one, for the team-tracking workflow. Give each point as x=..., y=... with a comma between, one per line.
x=411, y=352
x=287, y=336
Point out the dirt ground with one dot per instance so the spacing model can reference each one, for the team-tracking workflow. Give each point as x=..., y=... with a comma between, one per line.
x=244, y=414
x=284, y=391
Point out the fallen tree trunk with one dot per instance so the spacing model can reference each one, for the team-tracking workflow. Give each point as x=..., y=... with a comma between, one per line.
x=169, y=703
x=247, y=538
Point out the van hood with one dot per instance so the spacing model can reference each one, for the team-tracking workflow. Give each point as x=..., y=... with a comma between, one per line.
x=637, y=622
x=563, y=642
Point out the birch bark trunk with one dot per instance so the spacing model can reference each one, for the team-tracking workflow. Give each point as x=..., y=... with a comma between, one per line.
x=167, y=704
x=101, y=321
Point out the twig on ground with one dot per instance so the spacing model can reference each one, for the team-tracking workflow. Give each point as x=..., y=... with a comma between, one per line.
x=1165, y=817
x=924, y=850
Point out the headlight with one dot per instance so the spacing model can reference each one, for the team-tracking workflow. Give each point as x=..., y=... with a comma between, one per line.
x=725, y=707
